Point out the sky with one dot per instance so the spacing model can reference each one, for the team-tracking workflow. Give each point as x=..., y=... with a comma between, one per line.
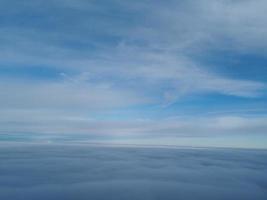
x=172, y=72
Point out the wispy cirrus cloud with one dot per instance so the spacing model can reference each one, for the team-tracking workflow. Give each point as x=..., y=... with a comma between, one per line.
x=109, y=55
x=149, y=52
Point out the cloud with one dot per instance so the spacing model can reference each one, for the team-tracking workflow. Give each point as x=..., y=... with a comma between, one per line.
x=166, y=25
x=47, y=125
x=81, y=171
x=71, y=94
x=152, y=56
x=112, y=55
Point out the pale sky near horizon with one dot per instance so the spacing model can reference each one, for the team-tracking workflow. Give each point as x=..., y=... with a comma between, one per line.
x=179, y=72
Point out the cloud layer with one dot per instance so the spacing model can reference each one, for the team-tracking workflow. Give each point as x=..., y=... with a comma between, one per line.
x=82, y=172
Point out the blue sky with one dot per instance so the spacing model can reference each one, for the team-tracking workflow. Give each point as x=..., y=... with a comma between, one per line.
x=161, y=72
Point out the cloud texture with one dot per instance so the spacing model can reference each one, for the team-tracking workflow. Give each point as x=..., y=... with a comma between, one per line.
x=70, y=66
x=82, y=172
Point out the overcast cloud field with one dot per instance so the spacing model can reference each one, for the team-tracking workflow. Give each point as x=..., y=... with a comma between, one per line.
x=54, y=171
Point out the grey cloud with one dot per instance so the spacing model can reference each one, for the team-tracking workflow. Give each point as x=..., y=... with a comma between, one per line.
x=84, y=172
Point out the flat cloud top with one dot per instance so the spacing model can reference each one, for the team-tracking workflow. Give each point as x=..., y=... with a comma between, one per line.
x=82, y=172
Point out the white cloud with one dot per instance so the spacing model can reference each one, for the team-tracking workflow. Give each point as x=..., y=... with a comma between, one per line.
x=151, y=56
x=140, y=55
x=66, y=95
x=69, y=121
